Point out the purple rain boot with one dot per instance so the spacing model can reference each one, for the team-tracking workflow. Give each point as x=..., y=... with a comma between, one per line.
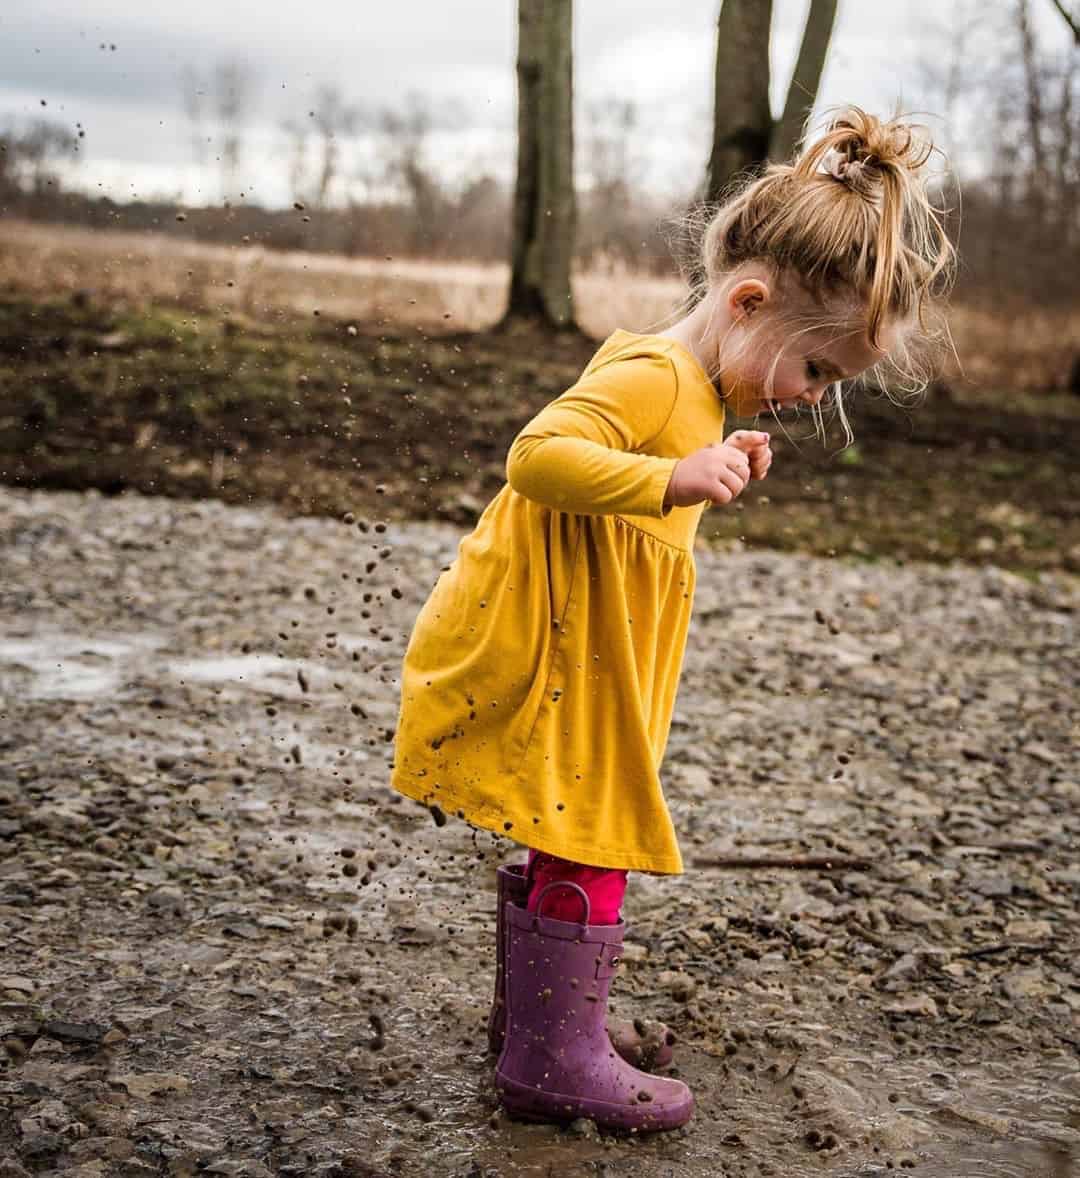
x=645, y=1045
x=557, y=1062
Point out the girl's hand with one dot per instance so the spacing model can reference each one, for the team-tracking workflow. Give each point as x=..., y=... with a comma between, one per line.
x=720, y=471
x=758, y=450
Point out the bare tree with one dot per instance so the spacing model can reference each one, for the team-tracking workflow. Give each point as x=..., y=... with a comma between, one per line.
x=802, y=92
x=614, y=214
x=333, y=119
x=1067, y=172
x=1034, y=107
x=297, y=132
x=544, y=213
x=232, y=96
x=404, y=136
x=30, y=159
x=744, y=134
x=742, y=120
x=194, y=108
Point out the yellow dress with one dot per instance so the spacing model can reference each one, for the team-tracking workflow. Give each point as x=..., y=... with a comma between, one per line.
x=540, y=676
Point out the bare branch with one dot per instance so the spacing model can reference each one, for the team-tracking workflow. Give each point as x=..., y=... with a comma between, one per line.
x=1069, y=19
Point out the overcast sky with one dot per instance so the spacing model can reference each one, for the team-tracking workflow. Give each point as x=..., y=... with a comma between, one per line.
x=657, y=54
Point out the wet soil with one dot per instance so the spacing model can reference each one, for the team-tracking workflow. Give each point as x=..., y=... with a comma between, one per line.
x=228, y=948
x=323, y=415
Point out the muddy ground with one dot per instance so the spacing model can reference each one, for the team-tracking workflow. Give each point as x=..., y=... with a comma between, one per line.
x=229, y=949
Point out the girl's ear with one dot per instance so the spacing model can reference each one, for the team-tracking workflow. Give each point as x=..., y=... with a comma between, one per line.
x=746, y=297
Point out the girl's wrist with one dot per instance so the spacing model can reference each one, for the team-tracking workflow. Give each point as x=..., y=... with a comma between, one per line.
x=668, y=502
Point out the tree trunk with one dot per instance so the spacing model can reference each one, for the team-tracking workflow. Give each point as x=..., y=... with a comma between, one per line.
x=1068, y=157
x=802, y=93
x=1033, y=90
x=742, y=121
x=544, y=210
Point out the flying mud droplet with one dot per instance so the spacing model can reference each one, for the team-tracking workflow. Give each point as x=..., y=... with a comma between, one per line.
x=333, y=922
x=438, y=814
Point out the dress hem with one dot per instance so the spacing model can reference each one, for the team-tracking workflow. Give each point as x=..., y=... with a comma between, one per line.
x=536, y=840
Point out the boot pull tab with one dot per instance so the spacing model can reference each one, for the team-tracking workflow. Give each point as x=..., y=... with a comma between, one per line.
x=563, y=883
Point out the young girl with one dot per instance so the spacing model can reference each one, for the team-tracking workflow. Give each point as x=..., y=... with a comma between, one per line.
x=540, y=677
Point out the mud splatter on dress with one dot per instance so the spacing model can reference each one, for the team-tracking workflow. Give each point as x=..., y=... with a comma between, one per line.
x=541, y=673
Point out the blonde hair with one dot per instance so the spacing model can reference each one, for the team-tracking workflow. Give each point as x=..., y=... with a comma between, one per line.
x=850, y=216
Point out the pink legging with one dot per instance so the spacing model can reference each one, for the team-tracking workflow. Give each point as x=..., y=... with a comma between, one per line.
x=605, y=887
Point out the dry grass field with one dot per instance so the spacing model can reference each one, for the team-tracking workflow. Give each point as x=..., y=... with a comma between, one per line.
x=1013, y=349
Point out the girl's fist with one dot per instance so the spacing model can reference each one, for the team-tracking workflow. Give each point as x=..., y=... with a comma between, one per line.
x=719, y=472
x=755, y=445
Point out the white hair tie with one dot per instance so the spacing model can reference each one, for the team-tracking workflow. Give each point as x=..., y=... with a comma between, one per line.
x=856, y=174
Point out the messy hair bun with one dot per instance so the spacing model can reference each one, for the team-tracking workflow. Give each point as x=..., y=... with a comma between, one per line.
x=851, y=215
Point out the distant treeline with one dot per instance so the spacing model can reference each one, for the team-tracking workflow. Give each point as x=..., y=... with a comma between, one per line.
x=425, y=218
x=1008, y=254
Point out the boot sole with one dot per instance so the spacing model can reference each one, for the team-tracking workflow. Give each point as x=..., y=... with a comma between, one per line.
x=531, y=1104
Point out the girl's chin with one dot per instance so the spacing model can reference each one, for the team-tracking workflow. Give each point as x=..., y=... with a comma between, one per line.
x=743, y=402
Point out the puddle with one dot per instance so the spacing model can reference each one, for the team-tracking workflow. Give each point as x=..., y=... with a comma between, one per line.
x=71, y=666
x=59, y=665
x=259, y=672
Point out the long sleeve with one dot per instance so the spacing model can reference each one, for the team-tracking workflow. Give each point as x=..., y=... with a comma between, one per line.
x=578, y=453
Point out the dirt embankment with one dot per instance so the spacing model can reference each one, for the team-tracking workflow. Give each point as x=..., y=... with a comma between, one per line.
x=321, y=417
x=229, y=949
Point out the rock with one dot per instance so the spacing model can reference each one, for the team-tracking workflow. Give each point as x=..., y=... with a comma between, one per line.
x=1027, y=930
x=239, y=1168
x=149, y=1084
x=275, y=922
x=991, y=886
x=167, y=901
x=59, y=877
x=914, y=911
x=243, y=929
x=1041, y=752
x=1001, y=1126
x=17, y=983
x=41, y=1145
x=679, y=985
x=116, y=1149
x=1027, y=983
x=805, y=938
x=918, y=1005
x=904, y=969
x=82, y=1033
x=59, y=820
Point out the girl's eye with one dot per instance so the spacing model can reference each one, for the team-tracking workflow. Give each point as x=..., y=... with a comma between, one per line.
x=813, y=369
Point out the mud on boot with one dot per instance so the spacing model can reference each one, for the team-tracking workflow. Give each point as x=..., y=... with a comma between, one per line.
x=557, y=1062
x=646, y=1043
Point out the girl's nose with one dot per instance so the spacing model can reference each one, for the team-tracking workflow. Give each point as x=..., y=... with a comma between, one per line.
x=813, y=396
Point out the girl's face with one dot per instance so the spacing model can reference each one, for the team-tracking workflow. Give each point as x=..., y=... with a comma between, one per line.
x=775, y=366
